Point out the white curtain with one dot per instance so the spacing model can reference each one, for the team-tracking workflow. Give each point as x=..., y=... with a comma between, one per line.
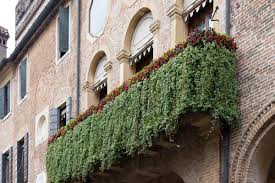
x=100, y=73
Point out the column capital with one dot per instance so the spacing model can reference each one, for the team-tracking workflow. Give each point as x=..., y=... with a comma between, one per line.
x=87, y=87
x=108, y=66
x=123, y=56
x=154, y=27
x=174, y=12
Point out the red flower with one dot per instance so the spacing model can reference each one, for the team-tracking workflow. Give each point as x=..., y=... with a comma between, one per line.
x=196, y=38
x=126, y=87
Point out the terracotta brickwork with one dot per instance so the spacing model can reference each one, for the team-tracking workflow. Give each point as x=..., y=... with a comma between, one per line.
x=51, y=80
x=253, y=26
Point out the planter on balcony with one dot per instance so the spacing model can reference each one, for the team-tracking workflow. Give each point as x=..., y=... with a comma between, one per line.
x=201, y=77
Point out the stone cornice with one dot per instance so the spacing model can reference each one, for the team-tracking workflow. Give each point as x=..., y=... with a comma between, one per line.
x=174, y=12
x=24, y=19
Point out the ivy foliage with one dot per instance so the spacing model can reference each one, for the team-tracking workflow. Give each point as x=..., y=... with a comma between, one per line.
x=199, y=79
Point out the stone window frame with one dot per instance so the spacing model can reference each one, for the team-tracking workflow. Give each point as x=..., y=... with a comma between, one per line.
x=8, y=80
x=59, y=59
x=21, y=100
x=92, y=97
x=124, y=56
x=91, y=37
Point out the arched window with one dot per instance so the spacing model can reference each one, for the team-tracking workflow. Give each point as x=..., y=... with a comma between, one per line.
x=100, y=79
x=142, y=43
x=98, y=15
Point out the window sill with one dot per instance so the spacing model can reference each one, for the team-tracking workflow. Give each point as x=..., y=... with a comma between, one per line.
x=6, y=117
x=59, y=60
x=23, y=99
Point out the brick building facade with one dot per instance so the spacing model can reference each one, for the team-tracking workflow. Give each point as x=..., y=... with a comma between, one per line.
x=62, y=64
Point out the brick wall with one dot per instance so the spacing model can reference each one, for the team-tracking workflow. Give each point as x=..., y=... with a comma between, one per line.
x=253, y=25
x=51, y=82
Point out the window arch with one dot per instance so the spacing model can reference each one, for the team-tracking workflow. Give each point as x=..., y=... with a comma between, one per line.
x=98, y=15
x=142, y=43
x=142, y=34
x=96, y=86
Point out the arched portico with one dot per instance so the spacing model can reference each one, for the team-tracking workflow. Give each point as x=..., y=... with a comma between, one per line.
x=254, y=155
x=261, y=167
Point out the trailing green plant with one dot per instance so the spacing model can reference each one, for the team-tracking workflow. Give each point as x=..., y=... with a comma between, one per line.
x=198, y=78
x=196, y=39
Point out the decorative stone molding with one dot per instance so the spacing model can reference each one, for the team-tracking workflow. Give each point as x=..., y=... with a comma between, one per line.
x=179, y=30
x=174, y=12
x=154, y=27
x=88, y=87
x=249, y=141
x=21, y=7
x=123, y=56
x=125, y=69
x=108, y=66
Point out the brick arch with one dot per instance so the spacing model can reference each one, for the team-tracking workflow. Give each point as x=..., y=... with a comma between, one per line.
x=252, y=136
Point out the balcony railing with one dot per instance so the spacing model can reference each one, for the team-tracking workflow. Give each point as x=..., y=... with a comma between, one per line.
x=198, y=76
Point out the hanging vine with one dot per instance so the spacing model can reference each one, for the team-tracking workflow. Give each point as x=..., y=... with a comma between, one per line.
x=199, y=77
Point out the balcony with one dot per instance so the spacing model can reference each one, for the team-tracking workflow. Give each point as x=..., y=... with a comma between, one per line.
x=192, y=85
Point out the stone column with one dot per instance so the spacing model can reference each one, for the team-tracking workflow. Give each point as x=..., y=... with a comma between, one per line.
x=179, y=29
x=219, y=17
x=125, y=69
x=91, y=98
x=154, y=28
x=108, y=69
